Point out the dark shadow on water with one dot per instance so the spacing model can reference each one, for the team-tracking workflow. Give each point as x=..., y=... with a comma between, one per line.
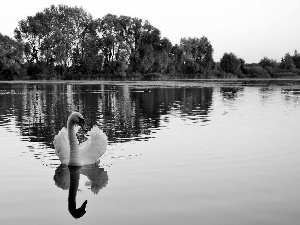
x=67, y=178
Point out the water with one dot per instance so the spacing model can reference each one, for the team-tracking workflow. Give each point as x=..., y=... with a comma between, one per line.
x=179, y=153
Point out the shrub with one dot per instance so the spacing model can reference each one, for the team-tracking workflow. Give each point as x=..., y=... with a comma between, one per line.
x=287, y=62
x=270, y=70
x=256, y=72
x=266, y=62
x=230, y=63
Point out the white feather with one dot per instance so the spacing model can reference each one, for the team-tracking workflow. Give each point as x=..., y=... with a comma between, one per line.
x=90, y=151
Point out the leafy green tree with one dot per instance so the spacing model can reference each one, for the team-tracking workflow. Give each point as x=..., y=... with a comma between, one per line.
x=256, y=72
x=296, y=59
x=242, y=66
x=198, y=54
x=146, y=58
x=146, y=47
x=162, y=56
x=55, y=36
x=267, y=62
x=176, y=59
x=115, y=43
x=287, y=62
x=89, y=65
x=132, y=33
x=11, y=58
x=230, y=63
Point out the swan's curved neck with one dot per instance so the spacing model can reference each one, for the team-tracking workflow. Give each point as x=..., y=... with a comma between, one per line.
x=74, y=184
x=74, y=154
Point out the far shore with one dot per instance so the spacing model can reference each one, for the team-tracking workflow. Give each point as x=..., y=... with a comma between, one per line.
x=143, y=81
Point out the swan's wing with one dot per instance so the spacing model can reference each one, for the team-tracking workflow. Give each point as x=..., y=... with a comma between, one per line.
x=62, y=177
x=62, y=147
x=91, y=150
x=98, y=177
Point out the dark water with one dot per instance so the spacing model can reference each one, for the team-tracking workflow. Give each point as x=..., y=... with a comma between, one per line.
x=179, y=152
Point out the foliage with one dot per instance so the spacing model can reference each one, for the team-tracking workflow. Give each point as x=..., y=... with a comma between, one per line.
x=296, y=59
x=10, y=58
x=197, y=55
x=287, y=62
x=256, y=72
x=266, y=62
x=54, y=37
x=230, y=63
x=63, y=42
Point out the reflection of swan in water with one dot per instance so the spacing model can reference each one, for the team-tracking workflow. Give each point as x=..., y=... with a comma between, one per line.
x=88, y=152
x=68, y=178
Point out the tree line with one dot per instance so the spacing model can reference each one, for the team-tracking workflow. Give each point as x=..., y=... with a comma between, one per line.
x=63, y=42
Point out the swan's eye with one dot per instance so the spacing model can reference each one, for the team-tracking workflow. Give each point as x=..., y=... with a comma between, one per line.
x=81, y=123
x=80, y=120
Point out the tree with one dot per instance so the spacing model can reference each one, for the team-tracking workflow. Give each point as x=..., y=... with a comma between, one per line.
x=267, y=62
x=162, y=53
x=176, y=59
x=296, y=59
x=91, y=62
x=11, y=58
x=230, y=63
x=287, y=62
x=256, y=72
x=129, y=45
x=146, y=48
x=197, y=54
x=115, y=42
x=55, y=36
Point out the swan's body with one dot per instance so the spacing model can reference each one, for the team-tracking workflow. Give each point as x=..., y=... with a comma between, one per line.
x=72, y=154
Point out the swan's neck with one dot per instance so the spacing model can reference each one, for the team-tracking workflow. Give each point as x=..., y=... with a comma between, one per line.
x=74, y=184
x=74, y=154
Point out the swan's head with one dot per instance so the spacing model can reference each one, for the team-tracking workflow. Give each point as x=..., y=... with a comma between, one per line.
x=77, y=118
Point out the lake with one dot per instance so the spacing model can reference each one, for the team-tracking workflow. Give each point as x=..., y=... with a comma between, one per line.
x=179, y=152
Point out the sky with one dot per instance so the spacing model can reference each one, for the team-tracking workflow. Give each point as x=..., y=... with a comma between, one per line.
x=251, y=29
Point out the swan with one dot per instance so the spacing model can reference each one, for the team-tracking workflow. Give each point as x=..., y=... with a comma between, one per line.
x=68, y=150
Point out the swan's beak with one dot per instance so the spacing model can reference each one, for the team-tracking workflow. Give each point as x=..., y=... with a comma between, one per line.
x=82, y=124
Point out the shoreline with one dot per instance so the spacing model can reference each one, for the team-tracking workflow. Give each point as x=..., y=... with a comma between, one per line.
x=142, y=81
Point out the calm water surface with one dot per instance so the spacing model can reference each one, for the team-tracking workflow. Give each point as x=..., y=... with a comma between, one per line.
x=179, y=153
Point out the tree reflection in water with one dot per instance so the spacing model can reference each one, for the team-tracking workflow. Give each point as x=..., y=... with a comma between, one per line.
x=230, y=93
x=123, y=112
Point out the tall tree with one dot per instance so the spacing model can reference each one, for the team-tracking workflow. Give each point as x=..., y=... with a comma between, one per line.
x=11, y=58
x=197, y=53
x=265, y=62
x=287, y=62
x=54, y=36
x=296, y=59
x=176, y=60
x=113, y=35
x=230, y=63
x=146, y=42
x=162, y=56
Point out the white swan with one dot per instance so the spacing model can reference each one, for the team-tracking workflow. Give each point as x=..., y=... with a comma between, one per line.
x=72, y=154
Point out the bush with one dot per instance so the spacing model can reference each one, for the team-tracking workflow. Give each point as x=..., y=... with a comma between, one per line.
x=152, y=76
x=270, y=70
x=285, y=75
x=287, y=62
x=266, y=62
x=256, y=72
x=230, y=63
